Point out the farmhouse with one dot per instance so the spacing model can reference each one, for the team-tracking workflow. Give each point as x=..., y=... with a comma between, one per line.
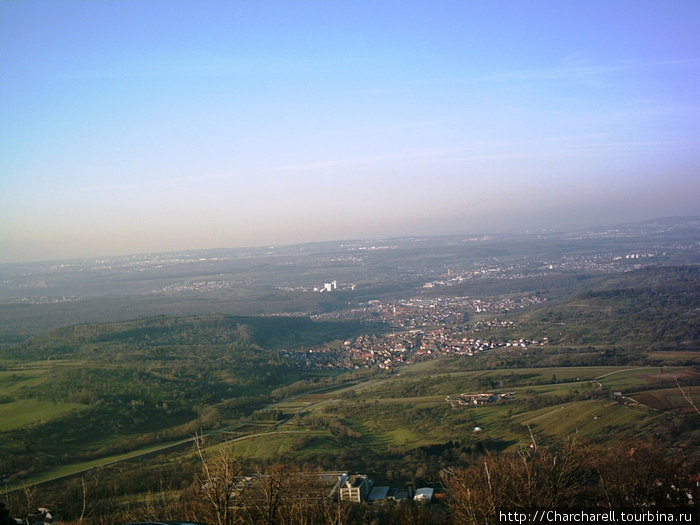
x=479, y=399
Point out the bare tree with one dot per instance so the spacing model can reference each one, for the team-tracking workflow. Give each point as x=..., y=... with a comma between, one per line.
x=639, y=475
x=29, y=496
x=335, y=512
x=221, y=483
x=226, y=493
x=688, y=396
x=531, y=478
x=286, y=495
x=84, y=491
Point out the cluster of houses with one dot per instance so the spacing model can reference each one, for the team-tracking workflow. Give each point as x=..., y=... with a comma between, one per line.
x=389, y=350
x=357, y=488
x=420, y=312
x=478, y=399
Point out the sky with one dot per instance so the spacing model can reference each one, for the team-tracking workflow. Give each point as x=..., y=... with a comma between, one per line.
x=132, y=126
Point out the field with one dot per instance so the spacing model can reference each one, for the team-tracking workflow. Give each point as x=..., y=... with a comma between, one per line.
x=116, y=386
x=360, y=421
x=580, y=403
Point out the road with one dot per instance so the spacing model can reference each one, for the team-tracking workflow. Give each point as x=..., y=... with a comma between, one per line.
x=107, y=462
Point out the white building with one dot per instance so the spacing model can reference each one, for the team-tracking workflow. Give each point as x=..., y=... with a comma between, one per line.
x=356, y=488
x=424, y=495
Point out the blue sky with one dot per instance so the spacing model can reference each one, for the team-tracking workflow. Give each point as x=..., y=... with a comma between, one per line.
x=150, y=126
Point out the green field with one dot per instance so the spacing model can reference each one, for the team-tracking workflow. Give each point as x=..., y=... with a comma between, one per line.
x=385, y=415
x=646, y=376
x=378, y=420
x=596, y=420
x=668, y=398
x=26, y=412
x=123, y=400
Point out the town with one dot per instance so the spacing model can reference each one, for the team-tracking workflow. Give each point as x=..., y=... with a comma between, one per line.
x=391, y=350
x=420, y=329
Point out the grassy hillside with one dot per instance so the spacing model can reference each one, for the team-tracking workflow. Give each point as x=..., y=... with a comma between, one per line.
x=401, y=426
x=90, y=391
x=652, y=308
x=111, y=396
x=174, y=337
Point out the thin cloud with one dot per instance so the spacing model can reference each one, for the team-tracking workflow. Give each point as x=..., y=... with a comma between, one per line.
x=579, y=69
x=157, y=183
x=458, y=154
x=354, y=161
x=392, y=127
x=554, y=152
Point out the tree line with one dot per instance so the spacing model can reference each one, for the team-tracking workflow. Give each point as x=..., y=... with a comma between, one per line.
x=229, y=489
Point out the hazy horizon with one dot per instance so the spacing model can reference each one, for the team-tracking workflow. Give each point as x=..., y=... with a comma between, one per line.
x=145, y=127
x=476, y=234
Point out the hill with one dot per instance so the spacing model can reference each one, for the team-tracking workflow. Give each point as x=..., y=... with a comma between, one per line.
x=122, y=400
x=91, y=391
x=651, y=308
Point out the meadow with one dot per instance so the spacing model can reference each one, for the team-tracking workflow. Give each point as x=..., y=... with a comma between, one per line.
x=124, y=400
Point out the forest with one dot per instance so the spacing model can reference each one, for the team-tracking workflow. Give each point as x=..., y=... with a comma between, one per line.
x=129, y=419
